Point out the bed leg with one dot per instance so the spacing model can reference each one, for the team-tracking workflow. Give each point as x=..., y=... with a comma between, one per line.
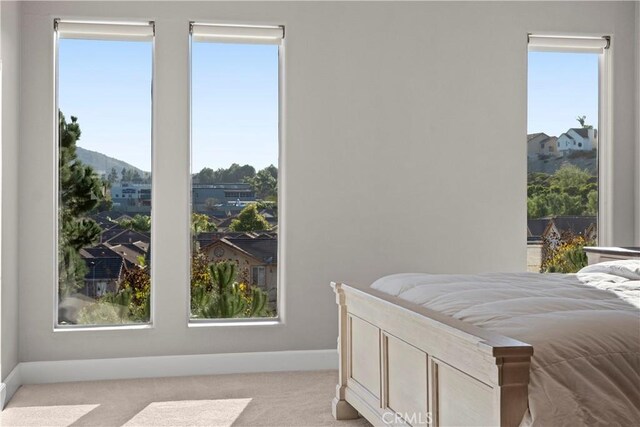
x=342, y=410
x=513, y=394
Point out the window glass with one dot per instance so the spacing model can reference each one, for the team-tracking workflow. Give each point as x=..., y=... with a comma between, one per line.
x=562, y=183
x=104, y=181
x=234, y=166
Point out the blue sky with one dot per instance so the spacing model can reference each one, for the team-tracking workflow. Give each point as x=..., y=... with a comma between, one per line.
x=107, y=85
x=561, y=87
x=234, y=105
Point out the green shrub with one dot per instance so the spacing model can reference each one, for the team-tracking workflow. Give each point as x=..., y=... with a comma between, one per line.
x=225, y=297
x=567, y=257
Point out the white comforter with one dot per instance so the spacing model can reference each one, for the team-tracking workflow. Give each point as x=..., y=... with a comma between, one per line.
x=584, y=328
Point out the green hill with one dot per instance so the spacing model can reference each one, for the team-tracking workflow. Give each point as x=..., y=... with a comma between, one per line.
x=103, y=163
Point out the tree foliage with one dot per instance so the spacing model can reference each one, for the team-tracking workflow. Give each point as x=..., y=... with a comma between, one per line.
x=129, y=175
x=265, y=183
x=249, y=219
x=234, y=174
x=140, y=223
x=570, y=176
x=201, y=223
x=113, y=175
x=567, y=256
x=225, y=297
x=569, y=191
x=80, y=191
x=200, y=274
x=582, y=120
x=136, y=289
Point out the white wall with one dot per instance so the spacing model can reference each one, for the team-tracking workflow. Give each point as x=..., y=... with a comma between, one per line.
x=637, y=115
x=405, y=151
x=9, y=25
x=1, y=348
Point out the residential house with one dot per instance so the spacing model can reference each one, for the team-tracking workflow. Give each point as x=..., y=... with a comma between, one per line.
x=128, y=236
x=110, y=233
x=205, y=239
x=134, y=241
x=585, y=226
x=257, y=258
x=130, y=253
x=104, y=270
x=578, y=139
x=541, y=143
x=225, y=223
x=536, y=228
x=119, y=249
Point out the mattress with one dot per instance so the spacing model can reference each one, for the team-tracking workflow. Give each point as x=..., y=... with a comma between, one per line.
x=584, y=328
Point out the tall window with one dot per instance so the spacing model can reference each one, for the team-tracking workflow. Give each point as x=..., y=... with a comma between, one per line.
x=235, y=76
x=104, y=73
x=563, y=141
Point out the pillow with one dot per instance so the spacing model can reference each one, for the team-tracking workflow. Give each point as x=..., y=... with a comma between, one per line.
x=627, y=268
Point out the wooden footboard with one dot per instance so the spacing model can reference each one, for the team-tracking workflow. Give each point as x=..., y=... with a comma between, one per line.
x=403, y=364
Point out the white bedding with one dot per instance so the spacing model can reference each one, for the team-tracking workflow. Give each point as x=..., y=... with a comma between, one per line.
x=584, y=328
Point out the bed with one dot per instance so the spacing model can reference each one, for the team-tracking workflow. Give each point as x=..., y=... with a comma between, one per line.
x=492, y=349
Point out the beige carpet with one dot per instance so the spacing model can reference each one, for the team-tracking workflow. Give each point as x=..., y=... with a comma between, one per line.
x=266, y=399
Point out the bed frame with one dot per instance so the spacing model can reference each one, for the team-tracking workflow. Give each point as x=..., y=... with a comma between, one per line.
x=403, y=364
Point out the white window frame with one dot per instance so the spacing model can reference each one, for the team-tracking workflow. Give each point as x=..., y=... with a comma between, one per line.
x=603, y=46
x=237, y=33
x=100, y=30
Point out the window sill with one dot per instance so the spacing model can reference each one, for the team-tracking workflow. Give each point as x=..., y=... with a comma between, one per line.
x=89, y=328
x=205, y=323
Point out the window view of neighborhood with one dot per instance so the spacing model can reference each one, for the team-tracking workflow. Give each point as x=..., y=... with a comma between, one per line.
x=234, y=208
x=105, y=181
x=562, y=160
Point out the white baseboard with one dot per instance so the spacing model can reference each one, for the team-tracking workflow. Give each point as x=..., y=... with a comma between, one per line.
x=167, y=366
x=10, y=386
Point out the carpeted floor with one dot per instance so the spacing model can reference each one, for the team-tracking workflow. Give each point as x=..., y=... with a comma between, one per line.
x=265, y=399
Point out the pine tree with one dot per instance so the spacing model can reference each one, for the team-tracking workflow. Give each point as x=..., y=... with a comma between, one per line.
x=81, y=191
x=224, y=297
x=113, y=175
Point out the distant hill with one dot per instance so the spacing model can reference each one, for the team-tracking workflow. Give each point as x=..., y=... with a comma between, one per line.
x=102, y=163
x=584, y=160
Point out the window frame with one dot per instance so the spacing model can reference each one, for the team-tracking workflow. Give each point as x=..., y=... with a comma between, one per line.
x=57, y=327
x=605, y=146
x=605, y=128
x=258, y=272
x=279, y=318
